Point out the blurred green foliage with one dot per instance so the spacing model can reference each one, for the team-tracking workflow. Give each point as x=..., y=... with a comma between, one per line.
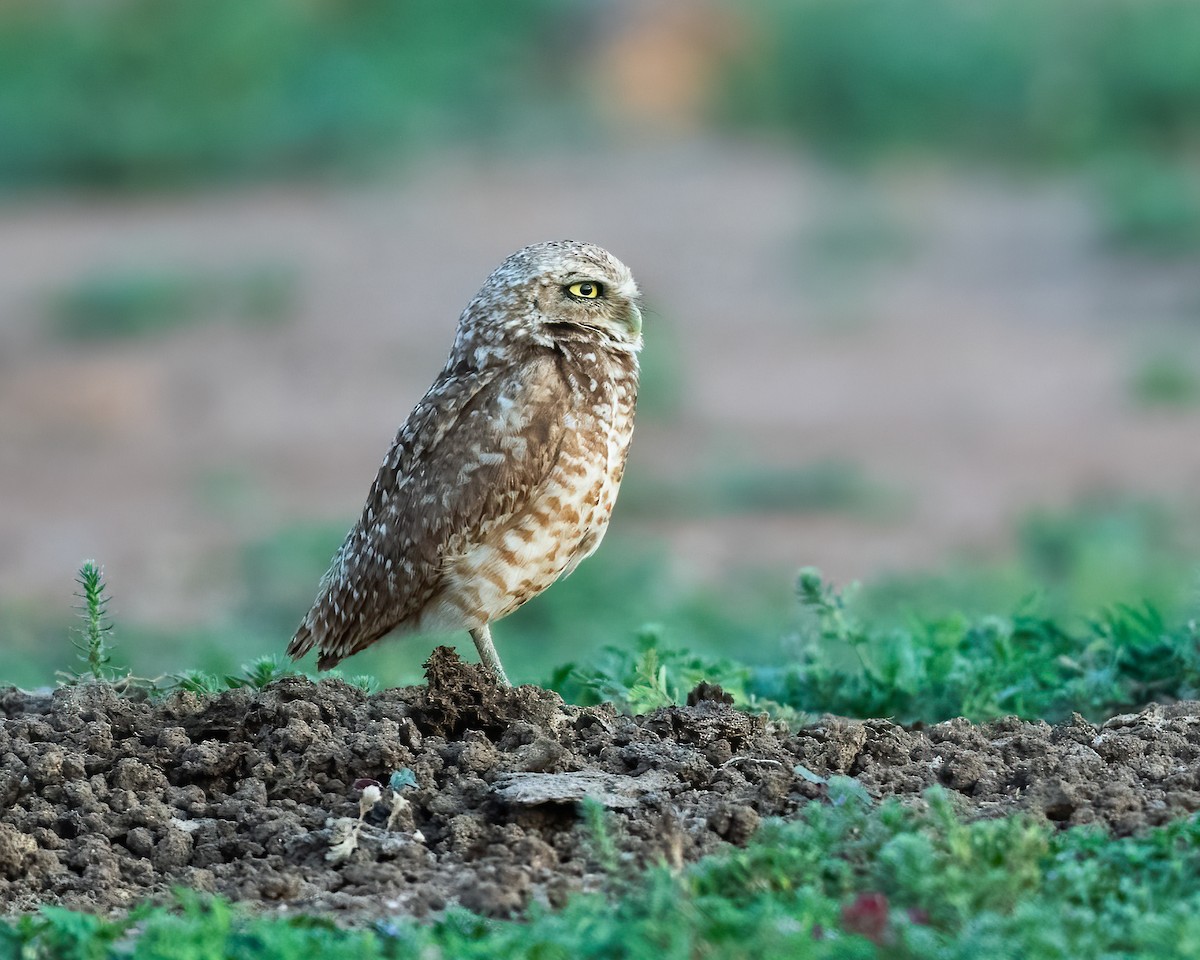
x=661, y=388
x=135, y=93
x=1166, y=380
x=1106, y=86
x=1095, y=554
x=149, y=93
x=1149, y=203
x=1045, y=81
x=142, y=93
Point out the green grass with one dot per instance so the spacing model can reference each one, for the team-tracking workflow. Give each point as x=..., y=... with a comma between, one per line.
x=848, y=879
x=1025, y=663
x=840, y=659
x=1097, y=613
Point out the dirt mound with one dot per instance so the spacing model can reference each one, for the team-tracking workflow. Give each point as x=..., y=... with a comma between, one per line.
x=105, y=800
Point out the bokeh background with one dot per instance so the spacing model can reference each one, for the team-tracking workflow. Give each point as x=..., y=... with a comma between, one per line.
x=922, y=277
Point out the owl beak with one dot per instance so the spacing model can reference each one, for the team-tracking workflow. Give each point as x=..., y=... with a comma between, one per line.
x=634, y=319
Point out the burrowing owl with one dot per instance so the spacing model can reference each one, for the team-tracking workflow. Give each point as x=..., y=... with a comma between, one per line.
x=503, y=477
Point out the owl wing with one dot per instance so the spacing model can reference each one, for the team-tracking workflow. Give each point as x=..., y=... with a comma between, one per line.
x=470, y=457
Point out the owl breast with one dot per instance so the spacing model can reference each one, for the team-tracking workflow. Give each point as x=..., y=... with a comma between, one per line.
x=565, y=519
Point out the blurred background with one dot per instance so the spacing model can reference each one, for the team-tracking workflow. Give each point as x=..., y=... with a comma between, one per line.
x=922, y=279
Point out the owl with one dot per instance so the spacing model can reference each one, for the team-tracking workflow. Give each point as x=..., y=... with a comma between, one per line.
x=503, y=477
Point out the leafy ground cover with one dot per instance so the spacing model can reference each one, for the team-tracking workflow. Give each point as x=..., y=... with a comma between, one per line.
x=982, y=667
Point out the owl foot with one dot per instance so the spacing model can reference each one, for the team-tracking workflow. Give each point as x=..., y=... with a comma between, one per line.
x=488, y=656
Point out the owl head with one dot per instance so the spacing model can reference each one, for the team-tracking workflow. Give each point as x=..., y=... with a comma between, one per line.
x=556, y=292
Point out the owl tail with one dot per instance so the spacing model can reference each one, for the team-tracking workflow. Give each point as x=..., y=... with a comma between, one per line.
x=330, y=653
x=317, y=630
x=302, y=642
x=344, y=618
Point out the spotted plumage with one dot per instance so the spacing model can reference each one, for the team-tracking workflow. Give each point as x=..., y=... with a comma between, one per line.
x=503, y=477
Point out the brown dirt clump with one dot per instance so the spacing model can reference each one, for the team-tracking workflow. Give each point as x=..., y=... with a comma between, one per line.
x=107, y=800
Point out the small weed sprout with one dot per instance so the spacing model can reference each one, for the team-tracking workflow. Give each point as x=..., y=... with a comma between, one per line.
x=365, y=682
x=95, y=647
x=651, y=676
x=195, y=681
x=261, y=671
x=255, y=675
x=649, y=690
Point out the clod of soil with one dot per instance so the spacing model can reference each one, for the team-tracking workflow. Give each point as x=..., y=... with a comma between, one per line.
x=105, y=801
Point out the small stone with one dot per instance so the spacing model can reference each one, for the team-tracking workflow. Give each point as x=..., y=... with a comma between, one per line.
x=15, y=850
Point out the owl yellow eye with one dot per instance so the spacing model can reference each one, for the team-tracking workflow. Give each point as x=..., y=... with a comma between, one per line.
x=585, y=290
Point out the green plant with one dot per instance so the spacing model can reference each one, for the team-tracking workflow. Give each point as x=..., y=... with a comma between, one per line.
x=254, y=675
x=926, y=668
x=647, y=677
x=95, y=644
x=981, y=667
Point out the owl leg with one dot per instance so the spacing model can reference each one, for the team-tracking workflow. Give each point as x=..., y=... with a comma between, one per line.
x=487, y=654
